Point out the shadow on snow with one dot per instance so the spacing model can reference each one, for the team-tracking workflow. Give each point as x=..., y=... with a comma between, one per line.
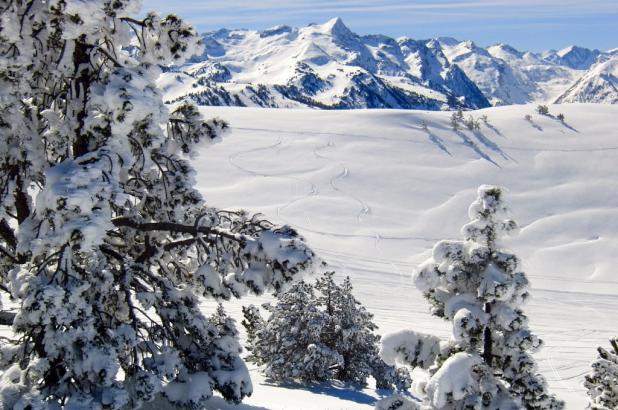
x=341, y=391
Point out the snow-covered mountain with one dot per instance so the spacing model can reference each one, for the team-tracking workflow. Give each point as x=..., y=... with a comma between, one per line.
x=597, y=85
x=578, y=58
x=506, y=75
x=329, y=66
x=324, y=66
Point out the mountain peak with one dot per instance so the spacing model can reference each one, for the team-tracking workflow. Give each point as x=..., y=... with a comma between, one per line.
x=508, y=49
x=336, y=26
x=448, y=41
x=570, y=49
x=579, y=58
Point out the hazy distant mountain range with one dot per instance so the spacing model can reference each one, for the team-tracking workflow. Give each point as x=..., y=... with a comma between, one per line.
x=329, y=66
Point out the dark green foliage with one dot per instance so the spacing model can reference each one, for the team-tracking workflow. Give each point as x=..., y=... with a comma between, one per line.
x=323, y=322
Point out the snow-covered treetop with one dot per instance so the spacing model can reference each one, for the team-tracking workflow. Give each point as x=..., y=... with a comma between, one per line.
x=465, y=274
x=488, y=217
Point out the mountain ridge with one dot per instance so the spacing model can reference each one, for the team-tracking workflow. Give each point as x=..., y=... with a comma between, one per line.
x=328, y=66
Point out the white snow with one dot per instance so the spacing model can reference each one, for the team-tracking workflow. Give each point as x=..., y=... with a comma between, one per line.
x=454, y=379
x=373, y=192
x=408, y=346
x=325, y=61
x=507, y=76
x=597, y=85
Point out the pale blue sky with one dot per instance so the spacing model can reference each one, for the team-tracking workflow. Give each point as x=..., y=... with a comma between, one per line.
x=525, y=24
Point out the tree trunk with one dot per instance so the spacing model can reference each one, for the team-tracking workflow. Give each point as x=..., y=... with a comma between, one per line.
x=487, y=340
x=81, y=88
x=614, y=343
x=6, y=318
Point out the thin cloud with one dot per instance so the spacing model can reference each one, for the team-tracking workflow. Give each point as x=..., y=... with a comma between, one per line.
x=530, y=7
x=487, y=20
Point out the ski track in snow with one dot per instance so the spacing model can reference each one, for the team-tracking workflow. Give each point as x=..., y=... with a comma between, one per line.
x=365, y=209
x=232, y=159
x=466, y=141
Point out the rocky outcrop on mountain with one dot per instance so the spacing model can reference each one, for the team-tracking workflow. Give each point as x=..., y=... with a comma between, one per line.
x=597, y=85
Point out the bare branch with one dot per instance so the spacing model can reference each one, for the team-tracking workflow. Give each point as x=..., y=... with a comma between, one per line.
x=179, y=228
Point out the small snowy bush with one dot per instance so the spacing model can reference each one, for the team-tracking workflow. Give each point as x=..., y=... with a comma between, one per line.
x=457, y=118
x=542, y=109
x=472, y=124
x=105, y=243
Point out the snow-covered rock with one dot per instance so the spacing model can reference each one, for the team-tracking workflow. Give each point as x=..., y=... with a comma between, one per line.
x=597, y=85
x=578, y=58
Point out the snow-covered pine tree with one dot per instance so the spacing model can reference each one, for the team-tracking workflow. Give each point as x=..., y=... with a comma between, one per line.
x=289, y=343
x=356, y=340
x=345, y=328
x=252, y=322
x=478, y=286
x=602, y=382
x=328, y=299
x=104, y=241
x=351, y=333
x=224, y=353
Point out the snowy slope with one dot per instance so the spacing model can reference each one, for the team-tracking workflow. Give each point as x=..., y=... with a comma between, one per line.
x=372, y=192
x=324, y=66
x=597, y=85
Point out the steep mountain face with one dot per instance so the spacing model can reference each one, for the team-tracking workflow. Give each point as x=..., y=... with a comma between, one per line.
x=578, y=58
x=506, y=75
x=322, y=66
x=328, y=66
x=597, y=85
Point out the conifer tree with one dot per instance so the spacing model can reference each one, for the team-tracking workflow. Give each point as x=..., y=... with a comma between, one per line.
x=602, y=382
x=224, y=352
x=477, y=285
x=345, y=328
x=104, y=241
x=357, y=341
x=252, y=322
x=350, y=329
x=289, y=343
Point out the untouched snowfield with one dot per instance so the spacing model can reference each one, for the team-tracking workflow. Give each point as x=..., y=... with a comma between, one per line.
x=372, y=192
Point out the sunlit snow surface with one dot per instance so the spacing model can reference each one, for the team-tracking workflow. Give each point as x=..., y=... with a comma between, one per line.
x=372, y=192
